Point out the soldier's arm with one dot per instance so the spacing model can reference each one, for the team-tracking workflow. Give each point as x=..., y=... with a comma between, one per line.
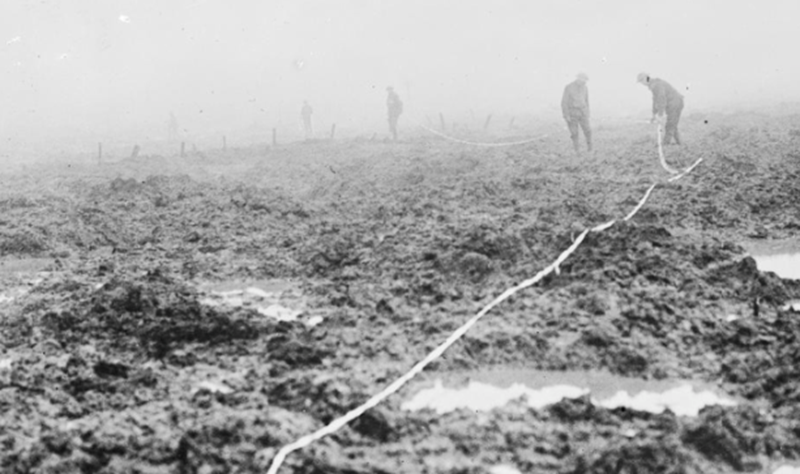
x=564, y=103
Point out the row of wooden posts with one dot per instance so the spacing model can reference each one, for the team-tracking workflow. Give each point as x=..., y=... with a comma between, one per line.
x=137, y=148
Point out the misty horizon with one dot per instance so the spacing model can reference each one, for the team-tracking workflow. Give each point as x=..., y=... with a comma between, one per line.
x=98, y=68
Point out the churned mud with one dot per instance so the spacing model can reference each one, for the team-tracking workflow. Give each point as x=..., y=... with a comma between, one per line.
x=193, y=315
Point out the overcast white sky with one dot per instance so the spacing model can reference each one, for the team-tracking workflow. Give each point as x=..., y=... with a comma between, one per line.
x=120, y=66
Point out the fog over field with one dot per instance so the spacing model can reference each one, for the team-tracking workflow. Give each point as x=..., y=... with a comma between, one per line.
x=75, y=72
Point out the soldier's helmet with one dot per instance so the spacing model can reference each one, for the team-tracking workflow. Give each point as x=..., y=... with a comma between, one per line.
x=643, y=77
x=582, y=76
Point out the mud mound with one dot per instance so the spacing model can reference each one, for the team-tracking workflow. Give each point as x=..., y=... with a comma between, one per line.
x=654, y=457
x=738, y=437
x=152, y=313
x=22, y=243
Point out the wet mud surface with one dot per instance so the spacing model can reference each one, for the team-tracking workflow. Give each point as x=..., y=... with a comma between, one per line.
x=121, y=354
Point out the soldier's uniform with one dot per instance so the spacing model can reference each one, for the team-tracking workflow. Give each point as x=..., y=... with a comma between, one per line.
x=306, y=112
x=667, y=100
x=575, y=109
x=394, y=108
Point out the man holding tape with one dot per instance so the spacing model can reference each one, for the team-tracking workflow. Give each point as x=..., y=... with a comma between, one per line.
x=575, y=109
x=666, y=101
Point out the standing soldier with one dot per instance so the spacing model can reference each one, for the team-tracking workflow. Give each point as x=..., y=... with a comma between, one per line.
x=666, y=100
x=306, y=112
x=395, y=107
x=575, y=109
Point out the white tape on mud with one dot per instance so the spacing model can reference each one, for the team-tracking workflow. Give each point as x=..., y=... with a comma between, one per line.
x=602, y=227
x=686, y=171
x=433, y=355
x=661, y=152
x=487, y=144
x=338, y=423
x=641, y=202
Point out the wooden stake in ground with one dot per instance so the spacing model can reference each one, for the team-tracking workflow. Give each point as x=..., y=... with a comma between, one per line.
x=99, y=152
x=441, y=121
x=511, y=123
x=333, y=130
x=486, y=123
x=224, y=143
x=274, y=137
x=183, y=149
x=135, y=152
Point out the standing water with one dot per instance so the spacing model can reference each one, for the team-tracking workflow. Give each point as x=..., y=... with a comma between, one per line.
x=487, y=390
x=780, y=257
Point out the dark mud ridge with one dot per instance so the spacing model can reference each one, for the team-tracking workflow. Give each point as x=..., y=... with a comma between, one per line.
x=194, y=315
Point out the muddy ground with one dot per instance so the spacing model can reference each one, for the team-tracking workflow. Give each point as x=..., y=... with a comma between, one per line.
x=112, y=361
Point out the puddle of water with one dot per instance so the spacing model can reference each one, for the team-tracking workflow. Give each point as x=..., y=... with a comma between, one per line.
x=479, y=396
x=781, y=257
x=15, y=266
x=212, y=386
x=20, y=275
x=488, y=390
x=683, y=401
x=504, y=469
x=278, y=299
x=794, y=305
x=786, y=265
x=787, y=469
x=6, y=366
x=9, y=295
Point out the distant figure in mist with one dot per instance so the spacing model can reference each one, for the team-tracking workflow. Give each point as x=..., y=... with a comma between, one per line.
x=306, y=112
x=172, y=128
x=666, y=101
x=575, y=109
x=394, y=108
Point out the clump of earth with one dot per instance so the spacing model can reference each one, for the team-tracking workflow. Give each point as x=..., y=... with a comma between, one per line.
x=196, y=317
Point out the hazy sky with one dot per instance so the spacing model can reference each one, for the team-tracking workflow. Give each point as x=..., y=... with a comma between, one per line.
x=120, y=66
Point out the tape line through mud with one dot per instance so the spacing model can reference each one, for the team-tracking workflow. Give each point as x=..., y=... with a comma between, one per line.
x=466, y=142
x=433, y=355
x=338, y=423
x=661, y=152
x=641, y=202
x=686, y=171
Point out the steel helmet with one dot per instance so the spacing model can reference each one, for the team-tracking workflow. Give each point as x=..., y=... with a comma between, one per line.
x=643, y=77
x=582, y=76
